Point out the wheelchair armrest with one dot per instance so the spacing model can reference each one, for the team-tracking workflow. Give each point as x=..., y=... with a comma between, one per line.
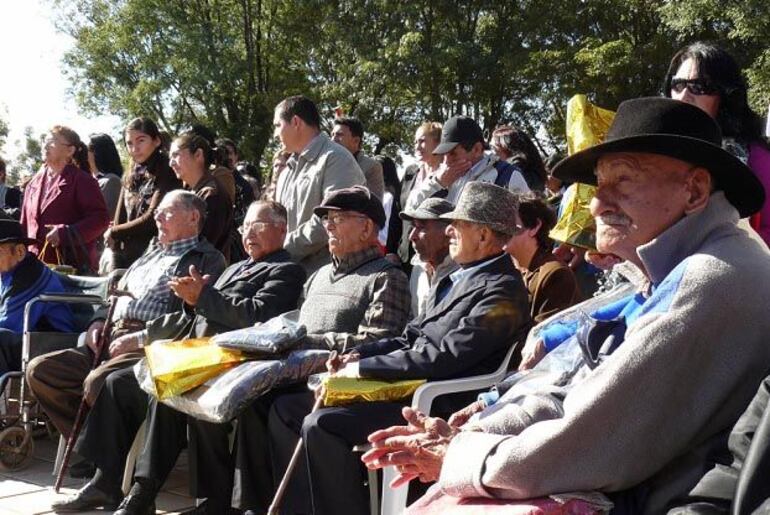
x=423, y=397
x=70, y=298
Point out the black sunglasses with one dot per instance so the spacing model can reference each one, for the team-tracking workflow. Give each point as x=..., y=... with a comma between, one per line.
x=697, y=87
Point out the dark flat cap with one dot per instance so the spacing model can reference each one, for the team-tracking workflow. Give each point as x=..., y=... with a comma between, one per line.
x=430, y=209
x=12, y=232
x=355, y=198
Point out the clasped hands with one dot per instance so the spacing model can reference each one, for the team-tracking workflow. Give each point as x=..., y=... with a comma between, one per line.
x=189, y=288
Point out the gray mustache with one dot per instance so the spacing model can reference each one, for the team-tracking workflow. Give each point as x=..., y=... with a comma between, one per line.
x=613, y=219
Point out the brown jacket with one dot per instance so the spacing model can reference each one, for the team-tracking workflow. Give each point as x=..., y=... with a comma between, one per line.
x=552, y=286
x=219, y=213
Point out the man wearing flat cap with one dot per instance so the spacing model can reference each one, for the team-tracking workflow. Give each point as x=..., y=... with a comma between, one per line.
x=462, y=147
x=22, y=278
x=431, y=261
x=358, y=298
x=691, y=350
x=474, y=316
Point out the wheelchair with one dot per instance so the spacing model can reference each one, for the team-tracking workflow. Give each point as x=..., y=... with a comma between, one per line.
x=22, y=417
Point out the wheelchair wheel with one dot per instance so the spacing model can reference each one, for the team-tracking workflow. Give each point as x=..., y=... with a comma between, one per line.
x=16, y=448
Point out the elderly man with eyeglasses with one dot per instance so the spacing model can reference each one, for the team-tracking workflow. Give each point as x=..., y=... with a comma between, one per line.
x=255, y=289
x=359, y=297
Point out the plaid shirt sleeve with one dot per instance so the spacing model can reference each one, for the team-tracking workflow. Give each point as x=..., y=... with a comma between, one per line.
x=154, y=302
x=385, y=317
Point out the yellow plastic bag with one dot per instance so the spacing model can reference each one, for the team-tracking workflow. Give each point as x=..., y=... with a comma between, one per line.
x=346, y=390
x=179, y=366
x=587, y=125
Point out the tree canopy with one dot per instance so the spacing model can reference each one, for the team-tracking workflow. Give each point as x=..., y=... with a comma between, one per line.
x=392, y=63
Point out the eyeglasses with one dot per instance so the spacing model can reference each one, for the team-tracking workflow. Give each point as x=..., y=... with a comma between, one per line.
x=337, y=219
x=697, y=87
x=164, y=214
x=253, y=226
x=53, y=142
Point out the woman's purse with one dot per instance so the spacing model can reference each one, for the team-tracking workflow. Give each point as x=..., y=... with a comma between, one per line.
x=59, y=266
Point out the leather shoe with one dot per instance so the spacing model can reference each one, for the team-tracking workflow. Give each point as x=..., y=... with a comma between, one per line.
x=139, y=501
x=87, y=498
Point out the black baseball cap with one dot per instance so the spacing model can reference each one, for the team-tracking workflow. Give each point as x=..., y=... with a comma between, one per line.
x=458, y=130
x=355, y=198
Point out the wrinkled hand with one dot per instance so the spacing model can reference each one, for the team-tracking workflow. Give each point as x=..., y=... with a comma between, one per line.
x=601, y=260
x=459, y=418
x=448, y=174
x=417, y=450
x=126, y=343
x=570, y=255
x=52, y=237
x=337, y=361
x=189, y=288
x=93, y=333
x=532, y=353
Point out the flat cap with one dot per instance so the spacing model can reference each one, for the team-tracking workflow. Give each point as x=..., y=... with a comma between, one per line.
x=355, y=198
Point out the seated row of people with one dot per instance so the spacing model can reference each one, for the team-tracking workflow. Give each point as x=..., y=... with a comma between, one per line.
x=662, y=371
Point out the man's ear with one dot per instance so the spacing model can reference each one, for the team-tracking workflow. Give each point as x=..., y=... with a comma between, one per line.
x=699, y=186
x=532, y=231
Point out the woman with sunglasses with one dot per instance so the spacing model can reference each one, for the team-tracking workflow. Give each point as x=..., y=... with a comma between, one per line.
x=706, y=76
x=63, y=208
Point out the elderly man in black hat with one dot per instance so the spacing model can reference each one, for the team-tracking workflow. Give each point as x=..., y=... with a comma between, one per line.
x=473, y=318
x=22, y=278
x=431, y=262
x=359, y=297
x=462, y=147
x=690, y=349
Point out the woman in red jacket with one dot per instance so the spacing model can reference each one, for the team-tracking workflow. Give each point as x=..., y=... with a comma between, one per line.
x=63, y=208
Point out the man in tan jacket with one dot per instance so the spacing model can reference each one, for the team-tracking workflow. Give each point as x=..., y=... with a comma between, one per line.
x=317, y=166
x=349, y=132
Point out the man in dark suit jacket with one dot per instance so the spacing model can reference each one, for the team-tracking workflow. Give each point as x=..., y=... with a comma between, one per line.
x=475, y=315
x=256, y=289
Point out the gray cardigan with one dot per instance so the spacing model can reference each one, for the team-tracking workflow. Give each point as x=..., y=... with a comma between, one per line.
x=687, y=369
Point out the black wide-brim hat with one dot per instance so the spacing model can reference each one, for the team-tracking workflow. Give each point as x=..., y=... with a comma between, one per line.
x=658, y=125
x=12, y=232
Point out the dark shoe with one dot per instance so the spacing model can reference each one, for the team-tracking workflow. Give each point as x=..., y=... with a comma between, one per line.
x=139, y=501
x=82, y=470
x=87, y=498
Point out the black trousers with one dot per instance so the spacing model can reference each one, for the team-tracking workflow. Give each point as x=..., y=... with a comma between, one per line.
x=165, y=439
x=244, y=476
x=112, y=424
x=10, y=351
x=331, y=479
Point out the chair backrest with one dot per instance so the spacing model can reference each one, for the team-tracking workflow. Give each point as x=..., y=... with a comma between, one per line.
x=84, y=313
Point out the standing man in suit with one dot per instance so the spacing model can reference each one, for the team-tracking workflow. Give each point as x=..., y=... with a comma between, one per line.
x=474, y=317
x=256, y=289
x=349, y=132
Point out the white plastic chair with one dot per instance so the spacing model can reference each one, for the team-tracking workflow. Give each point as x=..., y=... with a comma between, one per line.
x=394, y=499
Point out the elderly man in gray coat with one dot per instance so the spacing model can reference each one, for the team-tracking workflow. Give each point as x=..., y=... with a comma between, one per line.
x=694, y=343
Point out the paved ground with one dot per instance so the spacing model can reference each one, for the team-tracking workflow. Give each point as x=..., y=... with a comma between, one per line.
x=30, y=491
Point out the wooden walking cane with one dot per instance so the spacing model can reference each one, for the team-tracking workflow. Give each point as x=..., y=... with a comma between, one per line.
x=273, y=510
x=100, y=343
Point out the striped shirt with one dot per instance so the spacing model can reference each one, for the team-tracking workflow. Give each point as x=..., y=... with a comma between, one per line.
x=147, y=279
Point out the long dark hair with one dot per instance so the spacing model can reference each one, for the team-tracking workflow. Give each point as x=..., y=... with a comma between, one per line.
x=735, y=117
x=147, y=126
x=523, y=153
x=106, y=154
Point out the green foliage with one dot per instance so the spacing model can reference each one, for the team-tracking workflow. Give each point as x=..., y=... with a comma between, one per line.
x=29, y=161
x=392, y=63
